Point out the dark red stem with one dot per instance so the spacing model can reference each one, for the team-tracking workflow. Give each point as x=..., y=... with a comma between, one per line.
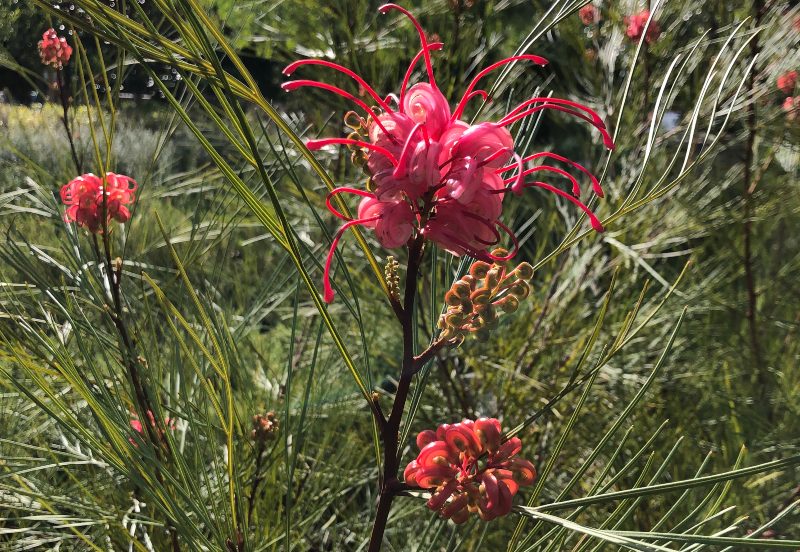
x=390, y=433
x=64, y=96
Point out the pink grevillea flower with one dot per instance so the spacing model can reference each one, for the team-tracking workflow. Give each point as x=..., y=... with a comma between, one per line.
x=636, y=26
x=589, y=14
x=787, y=82
x=83, y=197
x=169, y=423
x=54, y=50
x=434, y=175
x=136, y=424
x=468, y=468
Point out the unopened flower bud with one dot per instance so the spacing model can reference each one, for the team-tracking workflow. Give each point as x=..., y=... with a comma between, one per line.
x=493, y=277
x=461, y=288
x=469, y=280
x=455, y=319
x=525, y=271
x=489, y=323
x=353, y=120
x=479, y=269
x=509, y=304
x=520, y=290
x=358, y=158
x=500, y=252
x=488, y=313
x=452, y=299
x=392, y=278
x=480, y=296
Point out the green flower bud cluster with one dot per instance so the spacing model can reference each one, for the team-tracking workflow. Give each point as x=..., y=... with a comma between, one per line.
x=476, y=301
x=359, y=126
x=392, y=278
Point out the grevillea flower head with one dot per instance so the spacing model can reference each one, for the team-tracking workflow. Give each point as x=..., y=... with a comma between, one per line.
x=469, y=469
x=787, y=81
x=433, y=175
x=589, y=14
x=54, y=50
x=636, y=26
x=83, y=197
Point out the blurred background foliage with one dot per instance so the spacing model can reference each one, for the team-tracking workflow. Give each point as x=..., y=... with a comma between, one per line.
x=73, y=475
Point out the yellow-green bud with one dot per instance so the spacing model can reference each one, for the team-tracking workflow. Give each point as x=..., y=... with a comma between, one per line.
x=461, y=288
x=353, y=120
x=493, y=277
x=509, y=304
x=479, y=269
x=452, y=299
x=520, y=290
x=525, y=271
x=480, y=296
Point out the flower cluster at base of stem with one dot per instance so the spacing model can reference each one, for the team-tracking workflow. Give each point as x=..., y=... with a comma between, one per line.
x=469, y=469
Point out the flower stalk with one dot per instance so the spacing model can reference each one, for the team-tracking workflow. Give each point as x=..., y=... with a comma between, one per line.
x=434, y=177
x=390, y=432
x=63, y=95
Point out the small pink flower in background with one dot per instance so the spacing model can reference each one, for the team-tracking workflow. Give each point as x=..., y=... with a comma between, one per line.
x=636, y=24
x=787, y=81
x=589, y=14
x=792, y=107
x=54, y=50
x=468, y=469
x=83, y=197
x=169, y=423
x=432, y=174
x=136, y=424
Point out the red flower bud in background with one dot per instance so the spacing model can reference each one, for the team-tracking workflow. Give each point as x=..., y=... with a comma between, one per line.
x=83, y=197
x=589, y=14
x=169, y=423
x=136, y=424
x=636, y=26
x=468, y=468
x=787, y=82
x=54, y=50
